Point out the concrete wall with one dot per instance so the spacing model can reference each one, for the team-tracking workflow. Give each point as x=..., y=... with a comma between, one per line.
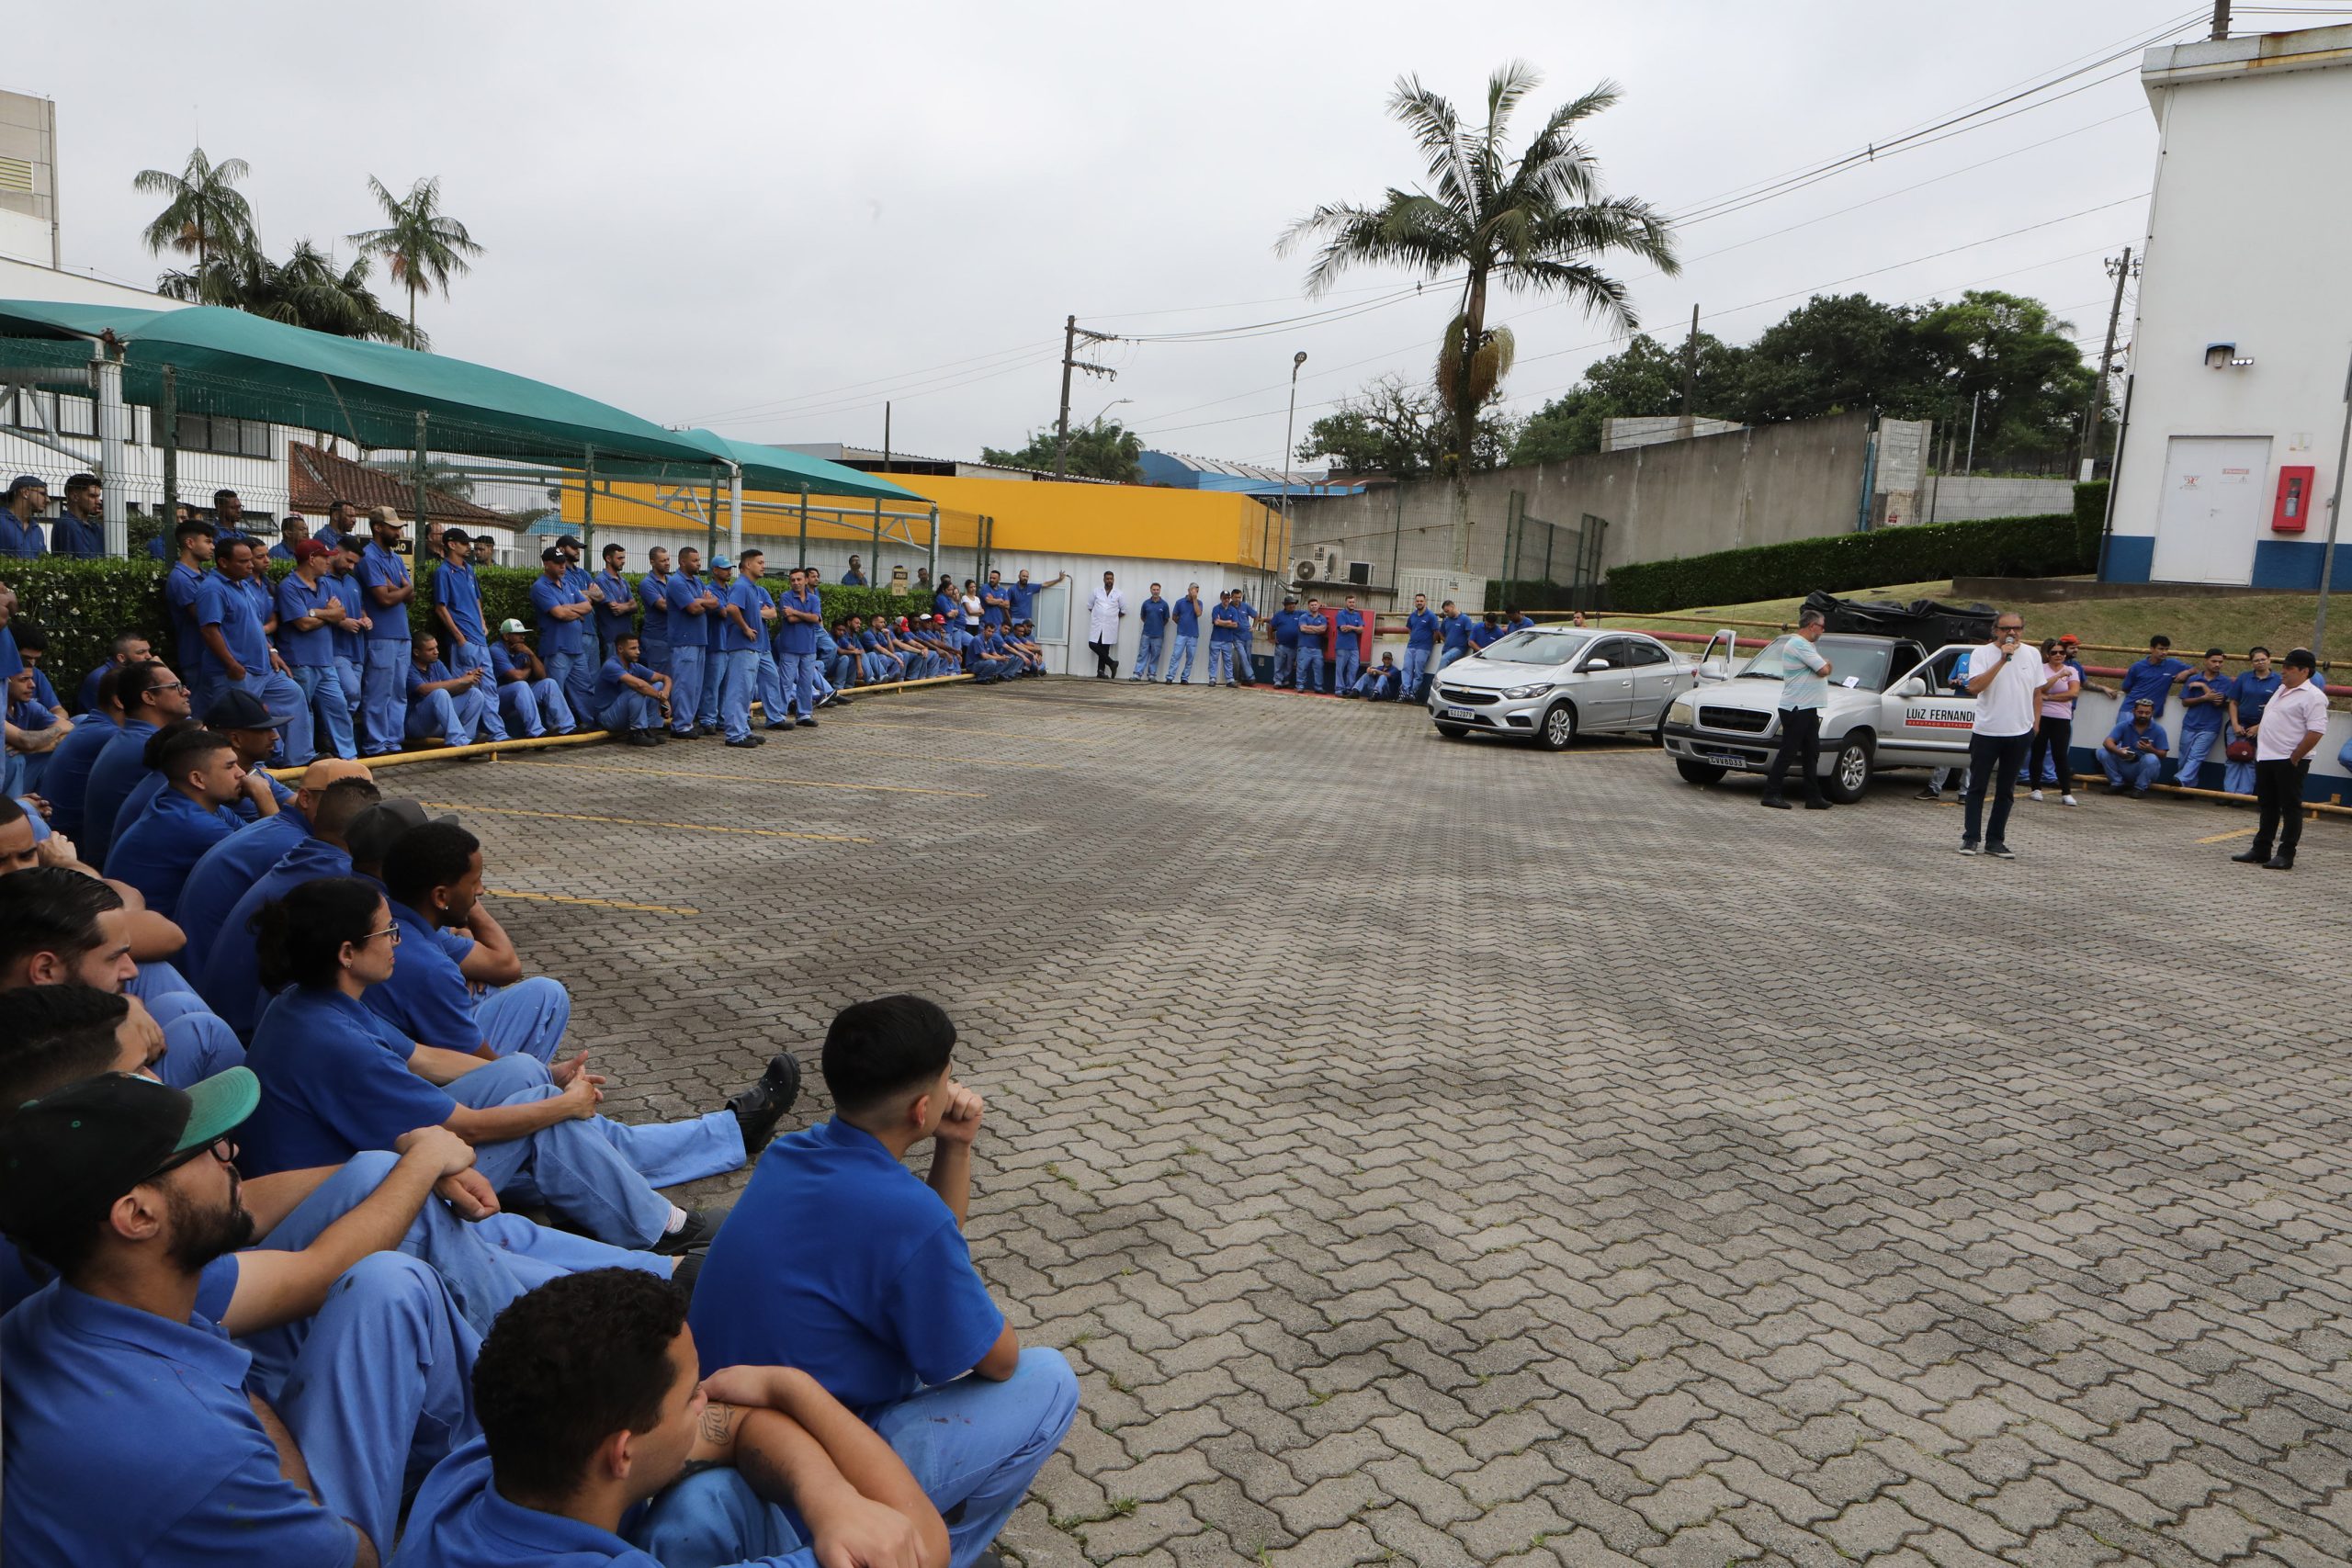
x=1958, y=499
x=1761, y=486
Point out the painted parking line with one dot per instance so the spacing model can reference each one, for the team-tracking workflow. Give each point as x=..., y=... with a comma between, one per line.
x=641, y=822
x=934, y=757
x=753, y=778
x=2232, y=833
x=593, y=903
x=968, y=730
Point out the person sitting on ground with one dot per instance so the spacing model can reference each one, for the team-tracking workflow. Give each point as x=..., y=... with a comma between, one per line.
x=151, y=697
x=237, y=862
x=433, y=877
x=128, y=648
x=135, y=1204
x=602, y=1443
x=849, y=656
x=451, y=707
x=1022, y=642
x=632, y=699
x=841, y=1261
x=879, y=664
x=33, y=732
x=251, y=730
x=66, y=780
x=202, y=779
x=337, y=1080
x=2134, y=753
x=1384, y=682
x=534, y=704
x=23, y=845
x=229, y=976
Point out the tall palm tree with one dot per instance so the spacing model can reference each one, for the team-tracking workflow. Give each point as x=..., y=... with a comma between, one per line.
x=1538, y=222
x=206, y=217
x=425, y=246
x=303, y=290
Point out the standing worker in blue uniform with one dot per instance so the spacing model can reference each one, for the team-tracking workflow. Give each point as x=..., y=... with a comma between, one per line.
x=1420, y=641
x=230, y=615
x=615, y=600
x=1221, y=640
x=385, y=579
x=80, y=531
x=563, y=609
x=1151, y=617
x=1187, y=619
x=21, y=506
x=309, y=612
x=803, y=612
x=348, y=637
x=2153, y=677
x=465, y=640
x=2250, y=697
x=739, y=636
x=996, y=602
x=1347, y=649
x=1284, y=625
x=1245, y=617
x=653, y=592
x=196, y=546
x=690, y=602
x=1312, y=626
x=2204, y=715
x=855, y=576
x=1454, y=626
x=1020, y=599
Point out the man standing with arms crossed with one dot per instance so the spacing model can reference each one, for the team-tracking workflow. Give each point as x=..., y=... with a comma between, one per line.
x=1805, y=692
x=803, y=610
x=2006, y=677
x=2292, y=723
x=690, y=600
x=1188, y=636
x=384, y=578
x=1420, y=640
x=1152, y=616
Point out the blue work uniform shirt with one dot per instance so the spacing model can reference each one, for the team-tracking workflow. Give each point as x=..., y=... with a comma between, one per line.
x=744, y=595
x=67, y=782
x=86, y=696
x=609, y=681
x=1312, y=625
x=219, y=879
x=182, y=584
x=348, y=639
x=379, y=568
x=456, y=590
x=852, y=579
x=504, y=665
x=944, y=603
x=1188, y=617
x=121, y=763
x=1244, y=618
x=1350, y=625
x=176, y=1413
x=418, y=674
x=20, y=540
x=334, y=1081
x=229, y=982
x=685, y=624
x=2251, y=692
x=617, y=614
x=1421, y=629
x=1152, y=614
x=313, y=650
x=2196, y=717
x=653, y=592
x=156, y=852
x=2152, y=679
x=557, y=637
x=1457, y=633
x=991, y=615
x=1481, y=633
x=841, y=1261
x=800, y=637
x=78, y=540
x=1285, y=625
x=1023, y=598
x=2129, y=736
x=426, y=998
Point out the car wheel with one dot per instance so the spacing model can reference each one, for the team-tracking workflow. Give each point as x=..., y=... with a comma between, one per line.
x=1453, y=731
x=1557, y=732
x=1698, y=772
x=1849, y=771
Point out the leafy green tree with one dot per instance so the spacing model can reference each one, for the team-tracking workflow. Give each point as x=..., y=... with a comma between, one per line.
x=2033, y=378
x=1403, y=432
x=423, y=244
x=207, y=217
x=1537, y=222
x=1642, y=380
x=1104, y=450
x=306, y=289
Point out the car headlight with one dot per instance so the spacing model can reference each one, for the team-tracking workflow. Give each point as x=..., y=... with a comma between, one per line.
x=1520, y=694
x=1682, y=712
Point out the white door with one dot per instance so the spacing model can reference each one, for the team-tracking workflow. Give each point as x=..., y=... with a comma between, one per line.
x=2210, y=513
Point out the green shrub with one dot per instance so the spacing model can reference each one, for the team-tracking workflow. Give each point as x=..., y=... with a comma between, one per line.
x=2055, y=546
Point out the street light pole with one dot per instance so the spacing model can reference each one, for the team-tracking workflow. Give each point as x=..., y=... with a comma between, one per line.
x=2335, y=511
x=1290, y=424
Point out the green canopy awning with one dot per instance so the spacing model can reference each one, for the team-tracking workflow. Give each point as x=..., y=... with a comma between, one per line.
x=230, y=362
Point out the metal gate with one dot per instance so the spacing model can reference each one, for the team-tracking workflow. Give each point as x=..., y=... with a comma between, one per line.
x=1545, y=566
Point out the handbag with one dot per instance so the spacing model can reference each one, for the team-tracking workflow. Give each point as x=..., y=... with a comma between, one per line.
x=2240, y=750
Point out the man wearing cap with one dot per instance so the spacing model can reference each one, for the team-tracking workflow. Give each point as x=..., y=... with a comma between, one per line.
x=237, y=862
x=2293, y=721
x=2133, y=755
x=633, y=698
x=80, y=532
x=615, y=600
x=21, y=506
x=384, y=578
x=294, y=530
x=690, y=604
x=155, y=852
x=532, y=704
x=1312, y=626
x=449, y=704
x=563, y=610
x=802, y=613
x=1284, y=624
x=653, y=595
x=123, y=1186
x=739, y=636
x=309, y=614
x=465, y=638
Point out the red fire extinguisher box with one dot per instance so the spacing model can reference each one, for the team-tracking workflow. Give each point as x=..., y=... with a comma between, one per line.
x=2291, y=512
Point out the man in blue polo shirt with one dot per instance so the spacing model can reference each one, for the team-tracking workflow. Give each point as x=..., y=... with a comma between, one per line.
x=996, y=604
x=202, y=781
x=1312, y=626
x=194, y=543
x=739, y=636
x=615, y=600
x=690, y=602
x=2250, y=693
x=1347, y=647
x=433, y=877
x=442, y=702
x=855, y=576
x=151, y=697
x=1020, y=599
x=309, y=612
x=802, y=610
x=128, y=648
x=349, y=635
x=456, y=608
x=1186, y=618
x=21, y=506
x=1245, y=618
x=842, y=1261
x=2153, y=677
x=231, y=615
x=1453, y=628
x=1284, y=623
x=1221, y=638
x=653, y=595
x=1420, y=641
x=237, y=862
x=80, y=531
x=2133, y=755
x=137, y=1201
x=67, y=778
x=2204, y=715
x=563, y=610
x=633, y=698
x=528, y=697
x=384, y=578
x=1151, y=621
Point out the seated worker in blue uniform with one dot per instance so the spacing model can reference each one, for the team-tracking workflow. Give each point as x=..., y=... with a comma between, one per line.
x=841, y=1261
x=192, y=812
x=1023, y=641
x=135, y=1203
x=632, y=698
x=2133, y=753
x=601, y=1444
x=237, y=862
x=337, y=1081
x=528, y=697
x=1384, y=682
x=454, y=708
x=1486, y=631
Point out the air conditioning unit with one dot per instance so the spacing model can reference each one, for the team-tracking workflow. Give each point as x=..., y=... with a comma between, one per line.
x=1360, y=573
x=1307, y=571
x=1323, y=565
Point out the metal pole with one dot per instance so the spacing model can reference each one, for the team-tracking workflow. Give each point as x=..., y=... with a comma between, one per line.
x=1061, y=426
x=416, y=549
x=885, y=437
x=2335, y=511
x=934, y=549
x=1974, y=399
x=735, y=509
x=1690, y=375
x=804, y=526
x=2221, y=27
x=106, y=379
x=874, y=572
x=711, y=520
x=1290, y=425
x=588, y=504
x=167, y=436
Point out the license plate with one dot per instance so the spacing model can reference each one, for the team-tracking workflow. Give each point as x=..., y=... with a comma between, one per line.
x=1459, y=713
x=1723, y=758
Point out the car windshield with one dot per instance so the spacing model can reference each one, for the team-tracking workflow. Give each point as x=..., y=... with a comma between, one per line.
x=1538, y=647
x=1863, y=658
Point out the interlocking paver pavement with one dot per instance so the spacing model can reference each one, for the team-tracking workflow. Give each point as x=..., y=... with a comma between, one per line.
x=1438, y=1153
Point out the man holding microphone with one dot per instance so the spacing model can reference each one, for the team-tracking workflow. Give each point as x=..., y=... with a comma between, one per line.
x=2005, y=676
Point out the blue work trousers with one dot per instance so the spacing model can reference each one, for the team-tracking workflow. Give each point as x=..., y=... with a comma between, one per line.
x=1147, y=651
x=769, y=686
x=801, y=681
x=2138, y=773
x=1180, y=660
x=654, y=655
x=1347, y=662
x=384, y=696
x=1225, y=663
x=535, y=707
x=1286, y=664
x=1310, y=667
x=686, y=688
x=1451, y=655
x=527, y=1017
x=1417, y=668
x=354, y=691
x=455, y=717
x=286, y=703
x=630, y=710
x=197, y=1043
x=2196, y=746
x=575, y=676
x=739, y=672
x=330, y=706
x=488, y=725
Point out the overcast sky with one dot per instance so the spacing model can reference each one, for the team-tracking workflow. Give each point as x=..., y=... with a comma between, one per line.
x=767, y=218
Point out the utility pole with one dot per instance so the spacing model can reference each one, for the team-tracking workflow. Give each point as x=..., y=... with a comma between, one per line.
x=2221, y=19
x=2335, y=514
x=886, y=437
x=2097, y=410
x=1974, y=402
x=1072, y=333
x=1690, y=375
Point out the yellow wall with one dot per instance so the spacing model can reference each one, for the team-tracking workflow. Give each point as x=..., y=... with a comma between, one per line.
x=1038, y=515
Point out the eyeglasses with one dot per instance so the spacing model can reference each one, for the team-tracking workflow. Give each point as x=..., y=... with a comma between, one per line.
x=224, y=1148
x=175, y=686
x=392, y=930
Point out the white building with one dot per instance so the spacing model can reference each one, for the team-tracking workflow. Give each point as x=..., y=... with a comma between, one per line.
x=2240, y=341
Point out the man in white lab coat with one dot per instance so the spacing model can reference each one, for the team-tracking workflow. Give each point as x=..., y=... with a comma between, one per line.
x=1105, y=611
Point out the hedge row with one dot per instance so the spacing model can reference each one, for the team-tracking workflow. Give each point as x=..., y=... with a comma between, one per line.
x=2061, y=545
x=83, y=604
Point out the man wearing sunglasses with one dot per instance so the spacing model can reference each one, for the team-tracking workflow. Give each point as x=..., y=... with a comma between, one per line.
x=2007, y=677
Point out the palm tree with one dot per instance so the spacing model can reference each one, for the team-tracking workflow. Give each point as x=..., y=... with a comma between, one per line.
x=304, y=290
x=426, y=245
x=206, y=217
x=1538, y=222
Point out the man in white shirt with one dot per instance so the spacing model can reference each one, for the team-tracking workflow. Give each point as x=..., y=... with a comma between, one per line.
x=2005, y=676
x=1805, y=692
x=1105, y=611
x=2292, y=723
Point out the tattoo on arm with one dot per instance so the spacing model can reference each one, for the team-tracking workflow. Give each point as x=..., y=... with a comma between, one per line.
x=719, y=1422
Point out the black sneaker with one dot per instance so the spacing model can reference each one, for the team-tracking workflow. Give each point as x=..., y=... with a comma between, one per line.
x=837, y=699
x=2000, y=852
x=747, y=741
x=1775, y=802
x=1817, y=803
x=1969, y=847
x=759, y=1107
x=695, y=1232
x=806, y=723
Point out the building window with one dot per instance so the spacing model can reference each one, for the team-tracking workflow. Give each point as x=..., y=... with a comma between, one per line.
x=220, y=433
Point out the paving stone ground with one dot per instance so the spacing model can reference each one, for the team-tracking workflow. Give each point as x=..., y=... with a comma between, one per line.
x=1435, y=1153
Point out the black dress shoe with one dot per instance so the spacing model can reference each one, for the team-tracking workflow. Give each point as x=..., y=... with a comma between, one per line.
x=759, y=1107
x=746, y=741
x=2277, y=863
x=696, y=1232
x=2253, y=857
x=1775, y=802
x=1817, y=803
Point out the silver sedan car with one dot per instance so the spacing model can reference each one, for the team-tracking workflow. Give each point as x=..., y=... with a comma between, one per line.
x=1549, y=684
